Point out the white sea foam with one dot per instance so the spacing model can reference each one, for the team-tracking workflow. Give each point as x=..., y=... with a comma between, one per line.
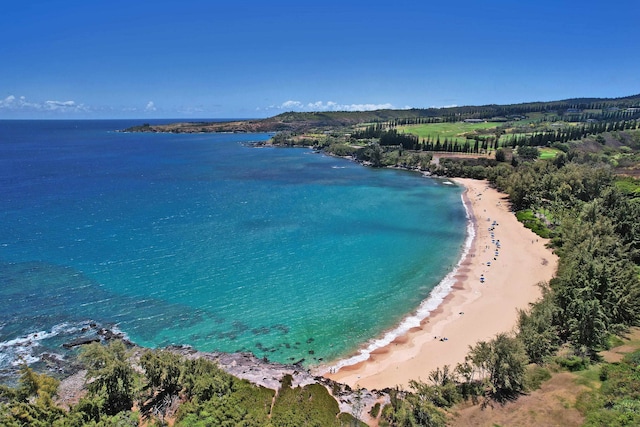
x=436, y=297
x=116, y=330
x=21, y=350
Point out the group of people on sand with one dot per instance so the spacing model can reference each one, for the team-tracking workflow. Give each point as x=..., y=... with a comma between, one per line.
x=495, y=242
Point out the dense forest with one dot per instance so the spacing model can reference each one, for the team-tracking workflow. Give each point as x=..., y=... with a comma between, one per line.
x=579, y=197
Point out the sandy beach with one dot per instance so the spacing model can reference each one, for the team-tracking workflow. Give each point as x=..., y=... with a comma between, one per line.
x=500, y=274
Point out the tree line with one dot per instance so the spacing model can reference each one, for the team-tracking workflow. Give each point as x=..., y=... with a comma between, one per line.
x=387, y=136
x=568, y=133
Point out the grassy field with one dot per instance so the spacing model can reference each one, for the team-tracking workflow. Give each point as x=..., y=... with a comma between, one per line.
x=460, y=130
x=453, y=131
x=549, y=153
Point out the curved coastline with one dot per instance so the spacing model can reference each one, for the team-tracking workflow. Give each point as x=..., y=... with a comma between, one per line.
x=495, y=276
x=416, y=319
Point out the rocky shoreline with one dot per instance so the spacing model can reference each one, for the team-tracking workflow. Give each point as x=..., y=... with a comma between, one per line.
x=245, y=366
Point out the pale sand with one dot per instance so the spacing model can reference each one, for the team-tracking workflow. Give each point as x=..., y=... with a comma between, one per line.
x=473, y=311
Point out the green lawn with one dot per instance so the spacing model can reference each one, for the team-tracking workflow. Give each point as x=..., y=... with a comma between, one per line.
x=549, y=153
x=629, y=186
x=453, y=131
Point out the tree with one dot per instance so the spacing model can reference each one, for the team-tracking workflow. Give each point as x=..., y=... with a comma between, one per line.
x=162, y=372
x=502, y=363
x=443, y=391
x=528, y=154
x=31, y=404
x=202, y=380
x=412, y=409
x=372, y=154
x=596, y=289
x=536, y=328
x=110, y=375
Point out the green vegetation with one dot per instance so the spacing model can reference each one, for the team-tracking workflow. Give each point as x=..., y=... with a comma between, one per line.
x=616, y=402
x=193, y=392
x=310, y=406
x=534, y=376
x=533, y=222
x=112, y=377
x=629, y=186
x=591, y=215
x=549, y=153
x=568, y=168
x=454, y=131
x=493, y=370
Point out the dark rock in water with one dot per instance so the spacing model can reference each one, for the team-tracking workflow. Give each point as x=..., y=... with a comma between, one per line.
x=102, y=334
x=81, y=341
x=282, y=328
x=53, y=361
x=182, y=348
x=108, y=334
x=260, y=331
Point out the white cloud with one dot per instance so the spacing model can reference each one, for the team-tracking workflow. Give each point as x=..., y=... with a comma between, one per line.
x=21, y=104
x=13, y=103
x=330, y=106
x=150, y=106
x=291, y=104
x=8, y=101
x=61, y=105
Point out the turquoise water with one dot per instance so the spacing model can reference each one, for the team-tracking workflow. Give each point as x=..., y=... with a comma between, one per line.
x=208, y=241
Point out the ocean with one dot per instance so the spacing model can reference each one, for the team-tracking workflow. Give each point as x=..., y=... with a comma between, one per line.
x=209, y=241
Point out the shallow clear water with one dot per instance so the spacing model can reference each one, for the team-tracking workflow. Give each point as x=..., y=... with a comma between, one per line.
x=208, y=241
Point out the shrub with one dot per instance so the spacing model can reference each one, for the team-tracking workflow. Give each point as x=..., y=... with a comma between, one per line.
x=533, y=223
x=535, y=376
x=633, y=359
x=375, y=410
x=573, y=363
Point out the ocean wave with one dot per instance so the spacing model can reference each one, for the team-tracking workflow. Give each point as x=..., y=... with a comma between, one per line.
x=20, y=350
x=23, y=349
x=433, y=301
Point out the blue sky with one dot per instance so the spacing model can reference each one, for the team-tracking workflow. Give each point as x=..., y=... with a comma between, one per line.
x=241, y=59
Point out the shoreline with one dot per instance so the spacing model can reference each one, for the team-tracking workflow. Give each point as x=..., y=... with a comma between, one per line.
x=481, y=299
x=413, y=321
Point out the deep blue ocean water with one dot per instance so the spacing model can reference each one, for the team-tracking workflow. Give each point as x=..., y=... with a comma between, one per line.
x=208, y=241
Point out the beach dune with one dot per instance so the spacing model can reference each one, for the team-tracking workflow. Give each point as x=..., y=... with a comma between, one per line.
x=499, y=275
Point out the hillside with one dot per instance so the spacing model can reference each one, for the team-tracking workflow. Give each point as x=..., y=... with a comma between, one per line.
x=332, y=120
